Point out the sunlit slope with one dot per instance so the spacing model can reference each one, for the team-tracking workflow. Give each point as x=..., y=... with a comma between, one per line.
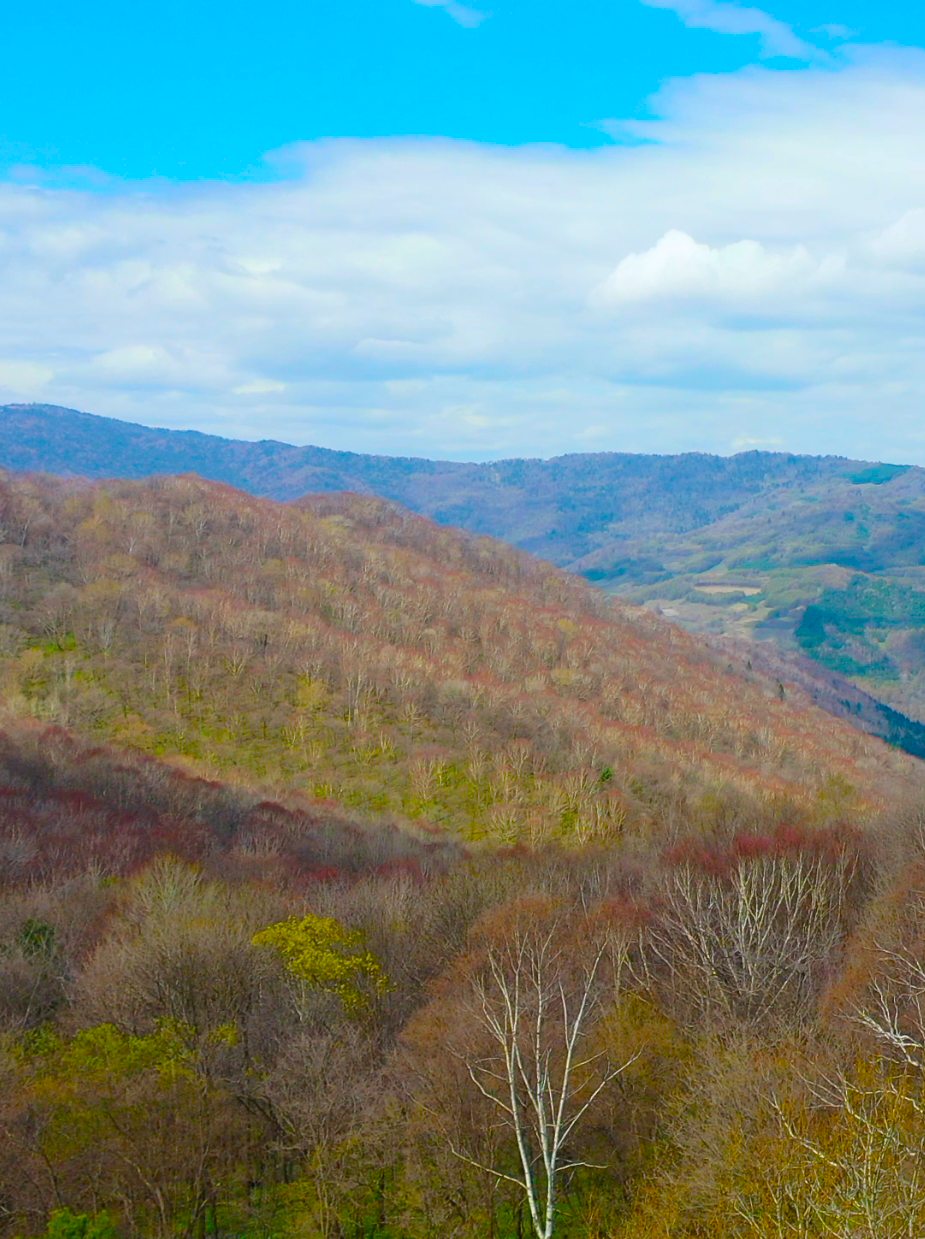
x=348, y=650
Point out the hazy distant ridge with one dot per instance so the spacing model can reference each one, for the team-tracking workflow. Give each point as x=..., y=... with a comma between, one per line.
x=563, y=509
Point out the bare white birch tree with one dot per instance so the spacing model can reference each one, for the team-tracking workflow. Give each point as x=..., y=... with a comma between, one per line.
x=855, y=1167
x=538, y=997
x=893, y=1009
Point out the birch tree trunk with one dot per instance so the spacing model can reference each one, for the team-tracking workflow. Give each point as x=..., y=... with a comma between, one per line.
x=537, y=997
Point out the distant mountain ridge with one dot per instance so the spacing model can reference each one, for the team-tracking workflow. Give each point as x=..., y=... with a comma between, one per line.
x=564, y=509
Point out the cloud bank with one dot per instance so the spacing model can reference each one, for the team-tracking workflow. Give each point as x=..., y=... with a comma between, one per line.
x=749, y=269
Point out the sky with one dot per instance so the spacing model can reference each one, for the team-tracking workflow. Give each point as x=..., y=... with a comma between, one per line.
x=471, y=230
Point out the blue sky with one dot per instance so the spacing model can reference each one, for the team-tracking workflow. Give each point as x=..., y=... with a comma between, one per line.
x=455, y=228
x=189, y=91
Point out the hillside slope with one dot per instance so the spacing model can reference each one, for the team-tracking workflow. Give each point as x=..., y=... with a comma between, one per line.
x=836, y=573
x=737, y=546
x=347, y=650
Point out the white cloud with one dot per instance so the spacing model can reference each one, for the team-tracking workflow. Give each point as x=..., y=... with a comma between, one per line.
x=23, y=378
x=462, y=14
x=678, y=268
x=133, y=361
x=724, y=17
x=259, y=387
x=753, y=268
x=902, y=245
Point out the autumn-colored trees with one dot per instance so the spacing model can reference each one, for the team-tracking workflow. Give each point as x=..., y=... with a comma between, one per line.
x=347, y=651
x=702, y=1042
x=361, y=879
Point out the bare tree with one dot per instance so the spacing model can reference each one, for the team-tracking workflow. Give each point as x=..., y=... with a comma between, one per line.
x=750, y=944
x=536, y=994
x=893, y=1011
x=322, y=1092
x=855, y=1161
x=857, y=1137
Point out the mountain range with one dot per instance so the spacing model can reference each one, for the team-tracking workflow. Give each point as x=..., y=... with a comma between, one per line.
x=591, y=512
x=822, y=557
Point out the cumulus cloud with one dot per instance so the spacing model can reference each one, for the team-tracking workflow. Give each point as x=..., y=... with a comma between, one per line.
x=724, y=17
x=678, y=268
x=753, y=267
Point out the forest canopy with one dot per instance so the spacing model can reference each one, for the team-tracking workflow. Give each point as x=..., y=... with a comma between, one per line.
x=359, y=878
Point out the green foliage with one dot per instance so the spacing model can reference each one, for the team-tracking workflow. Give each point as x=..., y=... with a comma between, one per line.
x=63, y=1224
x=37, y=938
x=326, y=956
x=811, y=630
x=876, y=475
x=844, y=630
x=106, y=1053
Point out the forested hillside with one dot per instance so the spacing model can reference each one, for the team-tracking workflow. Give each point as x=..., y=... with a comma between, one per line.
x=834, y=572
x=345, y=649
x=362, y=878
x=821, y=556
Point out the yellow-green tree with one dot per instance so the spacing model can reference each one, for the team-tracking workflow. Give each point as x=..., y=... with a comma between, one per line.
x=106, y=1119
x=323, y=955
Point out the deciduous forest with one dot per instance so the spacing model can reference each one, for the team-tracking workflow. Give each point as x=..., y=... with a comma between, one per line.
x=363, y=878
